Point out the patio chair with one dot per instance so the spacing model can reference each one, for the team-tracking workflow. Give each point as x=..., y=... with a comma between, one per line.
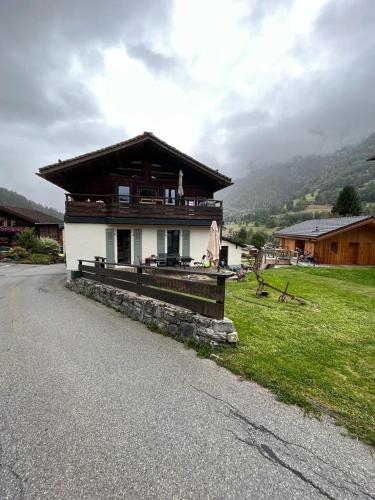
x=161, y=259
x=173, y=260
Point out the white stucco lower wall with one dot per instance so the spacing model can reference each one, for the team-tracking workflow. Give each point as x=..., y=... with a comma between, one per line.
x=84, y=241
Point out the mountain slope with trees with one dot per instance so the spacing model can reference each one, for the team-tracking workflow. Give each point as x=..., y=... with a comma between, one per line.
x=316, y=179
x=14, y=199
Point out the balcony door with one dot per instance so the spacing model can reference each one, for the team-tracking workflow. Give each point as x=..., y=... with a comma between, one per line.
x=173, y=242
x=124, y=246
x=170, y=196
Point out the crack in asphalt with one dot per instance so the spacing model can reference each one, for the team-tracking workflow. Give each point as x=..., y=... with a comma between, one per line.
x=19, y=480
x=269, y=453
x=271, y=456
x=11, y=466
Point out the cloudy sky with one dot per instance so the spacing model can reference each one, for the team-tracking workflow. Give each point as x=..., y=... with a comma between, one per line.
x=236, y=83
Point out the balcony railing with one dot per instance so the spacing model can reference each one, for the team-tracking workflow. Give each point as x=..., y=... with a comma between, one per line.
x=90, y=205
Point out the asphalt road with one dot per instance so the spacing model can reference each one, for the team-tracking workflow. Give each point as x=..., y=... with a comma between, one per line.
x=93, y=405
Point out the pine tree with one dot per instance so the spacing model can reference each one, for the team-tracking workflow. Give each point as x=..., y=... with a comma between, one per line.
x=347, y=202
x=241, y=235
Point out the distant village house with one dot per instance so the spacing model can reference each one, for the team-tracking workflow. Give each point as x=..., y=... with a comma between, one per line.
x=14, y=220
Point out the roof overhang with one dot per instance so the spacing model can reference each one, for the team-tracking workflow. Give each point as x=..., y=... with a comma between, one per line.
x=53, y=171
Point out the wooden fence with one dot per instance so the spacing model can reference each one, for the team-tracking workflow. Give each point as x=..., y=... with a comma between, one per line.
x=205, y=297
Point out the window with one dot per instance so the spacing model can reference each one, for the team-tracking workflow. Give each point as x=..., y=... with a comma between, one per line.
x=170, y=196
x=124, y=194
x=334, y=246
x=173, y=242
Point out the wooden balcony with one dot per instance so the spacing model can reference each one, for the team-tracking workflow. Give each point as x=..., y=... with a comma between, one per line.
x=94, y=205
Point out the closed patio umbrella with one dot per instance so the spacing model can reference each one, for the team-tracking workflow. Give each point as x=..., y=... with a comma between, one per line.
x=180, y=190
x=213, y=247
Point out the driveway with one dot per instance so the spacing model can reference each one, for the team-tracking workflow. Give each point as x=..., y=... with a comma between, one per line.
x=93, y=405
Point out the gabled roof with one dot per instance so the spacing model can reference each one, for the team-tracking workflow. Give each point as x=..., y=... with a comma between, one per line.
x=61, y=166
x=30, y=215
x=319, y=228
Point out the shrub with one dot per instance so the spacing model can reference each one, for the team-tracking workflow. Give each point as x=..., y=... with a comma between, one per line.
x=26, y=239
x=17, y=253
x=47, y=245
x=39, y=258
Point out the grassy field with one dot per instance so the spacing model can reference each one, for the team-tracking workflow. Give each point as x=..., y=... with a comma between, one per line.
x=320, y=356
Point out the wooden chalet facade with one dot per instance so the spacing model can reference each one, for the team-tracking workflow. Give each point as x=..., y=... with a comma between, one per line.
x=344, y=240
x=122, y=202
x=15, y=219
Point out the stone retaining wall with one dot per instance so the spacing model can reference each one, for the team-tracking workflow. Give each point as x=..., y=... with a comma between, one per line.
x=172, y=320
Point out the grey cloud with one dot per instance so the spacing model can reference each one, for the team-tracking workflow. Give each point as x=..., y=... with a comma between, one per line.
x=155, y=61
x=346, y=25
x=261, y=9
x=247, y=119
x=46, y=108
x=324, y=110
x=39, y=39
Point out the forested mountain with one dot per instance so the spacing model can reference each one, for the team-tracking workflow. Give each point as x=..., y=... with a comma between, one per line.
x=13, y=199
x=315, y=178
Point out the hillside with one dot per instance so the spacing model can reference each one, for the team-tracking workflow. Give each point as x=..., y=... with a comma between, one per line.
x=13, y=199
x=315, y=179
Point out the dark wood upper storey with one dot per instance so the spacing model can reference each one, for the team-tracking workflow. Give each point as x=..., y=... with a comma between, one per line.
x=137, y=178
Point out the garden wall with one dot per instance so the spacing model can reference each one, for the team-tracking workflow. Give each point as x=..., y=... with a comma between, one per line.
x=172, y=320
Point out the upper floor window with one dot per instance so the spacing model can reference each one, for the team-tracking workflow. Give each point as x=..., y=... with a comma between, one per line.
x=124, y=194
x=170, y=196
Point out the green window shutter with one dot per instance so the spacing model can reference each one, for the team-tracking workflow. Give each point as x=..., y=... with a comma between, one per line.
x=161, y=241
x=186, y=243
x=137, y=246
x=110, y=244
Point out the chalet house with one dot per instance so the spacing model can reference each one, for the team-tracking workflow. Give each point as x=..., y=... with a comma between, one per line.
x=343, y=240
x=14, y=220
x=137, y=199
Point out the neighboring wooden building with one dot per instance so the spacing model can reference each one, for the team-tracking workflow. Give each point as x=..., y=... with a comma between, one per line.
x=15, y=219
x=122, y=202
x=344, y=240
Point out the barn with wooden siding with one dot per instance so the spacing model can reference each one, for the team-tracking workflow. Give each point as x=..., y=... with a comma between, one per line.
x=343, y=240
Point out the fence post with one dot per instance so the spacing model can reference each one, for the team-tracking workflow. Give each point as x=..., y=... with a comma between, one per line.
x=220, y=297
x=96, y=264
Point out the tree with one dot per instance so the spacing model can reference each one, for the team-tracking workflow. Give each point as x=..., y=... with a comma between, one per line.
x=289, y=205
x=347, y=202
x=258, y=240
x=241, y=235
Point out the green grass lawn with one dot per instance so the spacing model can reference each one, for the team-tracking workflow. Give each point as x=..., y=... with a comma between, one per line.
x=320, y=356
